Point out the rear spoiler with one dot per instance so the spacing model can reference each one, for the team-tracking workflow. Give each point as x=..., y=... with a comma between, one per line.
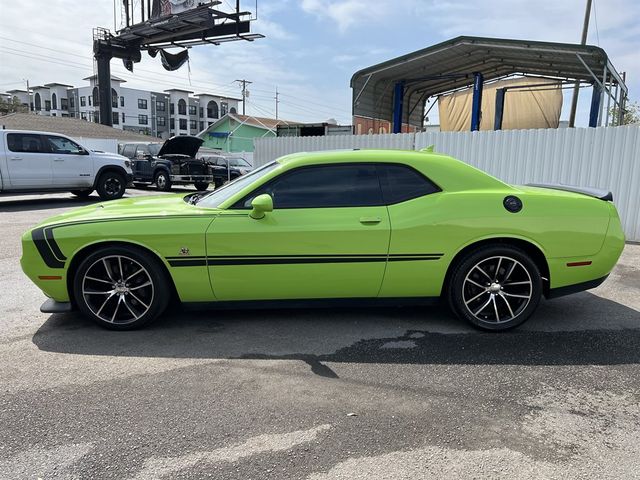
x=605, y=195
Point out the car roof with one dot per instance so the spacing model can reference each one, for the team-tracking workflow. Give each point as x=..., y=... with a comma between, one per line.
x=358, y=155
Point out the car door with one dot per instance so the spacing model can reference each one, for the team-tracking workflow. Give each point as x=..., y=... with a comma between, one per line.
x=327, y=237
x=72, y=166
x=29, y=162
x=142, y=162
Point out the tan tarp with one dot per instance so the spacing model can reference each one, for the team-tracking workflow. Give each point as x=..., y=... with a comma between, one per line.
x=523, y=108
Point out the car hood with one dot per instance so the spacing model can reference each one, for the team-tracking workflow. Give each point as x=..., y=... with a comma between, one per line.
x=107, y=155
x=181, y=144
x=153, y=206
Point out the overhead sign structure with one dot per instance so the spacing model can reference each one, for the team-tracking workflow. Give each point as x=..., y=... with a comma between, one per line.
x=165, y=24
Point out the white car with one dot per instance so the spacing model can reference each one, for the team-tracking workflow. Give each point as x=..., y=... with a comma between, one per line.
x=49, y=162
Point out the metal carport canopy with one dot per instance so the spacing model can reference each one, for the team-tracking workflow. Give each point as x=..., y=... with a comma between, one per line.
x=452, y=64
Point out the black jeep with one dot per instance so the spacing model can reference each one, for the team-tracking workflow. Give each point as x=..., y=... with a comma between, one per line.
x=172, y=163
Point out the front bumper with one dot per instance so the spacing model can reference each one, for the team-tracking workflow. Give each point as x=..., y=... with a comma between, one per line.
x=51, y=306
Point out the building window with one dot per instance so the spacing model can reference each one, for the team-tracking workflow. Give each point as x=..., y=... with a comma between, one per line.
x=201, y=112
x=83, y=101
x=212, y=109
x=72, y=101
x=183, y=124
x=54, y=101
x=193, y=124
x=96, y=97
x=182, y=107
x=83, y=115
x=233, y=110
x=143, y=119
x=96, y=117
x=201, y=126
x=172, y=108
x=123, y=117
x=172, y=123
x=142, y=104
x=122, y=101
x=193, y=110
x=64, y=103
x=114, y=98
x=47, y=105
x=89, y=97
x=38, y=102
x=161, y=106
x=116, y=118
x=224, y=108
x=162, y=121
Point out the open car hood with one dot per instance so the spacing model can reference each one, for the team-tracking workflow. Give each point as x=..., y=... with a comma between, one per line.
x=182, y=145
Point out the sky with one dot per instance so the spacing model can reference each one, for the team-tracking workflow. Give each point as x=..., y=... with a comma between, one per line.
x=312, y=47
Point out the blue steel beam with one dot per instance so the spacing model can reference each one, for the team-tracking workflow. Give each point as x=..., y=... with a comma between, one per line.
x=500, y=94
x=476, y=107
x=398, y=100
x=595, y=105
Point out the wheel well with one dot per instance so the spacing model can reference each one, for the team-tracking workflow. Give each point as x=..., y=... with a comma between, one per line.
x=107, y=169
x=88, y=250
x=532, y=250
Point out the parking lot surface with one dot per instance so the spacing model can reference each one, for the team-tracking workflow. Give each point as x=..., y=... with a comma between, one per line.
x=383, y=393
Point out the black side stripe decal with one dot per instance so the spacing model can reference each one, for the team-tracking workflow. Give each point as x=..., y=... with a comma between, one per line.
x=45, y=250
x=48, y=234
x=294, y=259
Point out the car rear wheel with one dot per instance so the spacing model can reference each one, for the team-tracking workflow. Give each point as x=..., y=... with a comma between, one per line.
x=201, y=186
x=495, y=287
x=163, y=181
x=111, y=185
x=82, y=193
x=121, y=288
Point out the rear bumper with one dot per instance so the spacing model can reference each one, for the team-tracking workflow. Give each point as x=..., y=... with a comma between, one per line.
x=191, y=178
x=578, y=287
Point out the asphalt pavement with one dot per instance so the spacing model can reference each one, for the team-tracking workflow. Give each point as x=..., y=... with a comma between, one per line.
x=384, y=393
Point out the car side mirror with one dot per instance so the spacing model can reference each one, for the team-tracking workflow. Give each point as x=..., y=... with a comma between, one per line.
x=261, y=205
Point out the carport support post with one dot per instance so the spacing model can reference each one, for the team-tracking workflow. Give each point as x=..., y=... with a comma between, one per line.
x=596, y=98
x=103, y=59
x=476, y=107
x=398, y=101
x=500, y=93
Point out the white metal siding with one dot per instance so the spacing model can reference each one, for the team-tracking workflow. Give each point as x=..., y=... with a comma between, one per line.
x=606, y=157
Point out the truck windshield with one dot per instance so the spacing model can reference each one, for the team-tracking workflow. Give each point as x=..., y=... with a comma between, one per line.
x=154, y=148
x=219, y=195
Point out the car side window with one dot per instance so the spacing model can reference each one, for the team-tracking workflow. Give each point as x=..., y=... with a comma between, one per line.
x=142, y=151
x=401, y=183
x=324, y=186
x=63, y=146
x=25, y=143
x=129, y=150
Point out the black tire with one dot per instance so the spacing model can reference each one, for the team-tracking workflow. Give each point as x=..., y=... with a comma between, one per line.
x=201, y=186
x=474, y=283
x=217, y=183
x=111, y=185
x=82, y=193
x=140, y=185
x=131, y=299
x=162, y=181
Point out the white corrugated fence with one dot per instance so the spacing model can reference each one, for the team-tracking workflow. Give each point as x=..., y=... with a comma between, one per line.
x=606, y=157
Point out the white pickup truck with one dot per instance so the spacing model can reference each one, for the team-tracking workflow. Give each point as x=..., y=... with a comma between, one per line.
x=47, y=162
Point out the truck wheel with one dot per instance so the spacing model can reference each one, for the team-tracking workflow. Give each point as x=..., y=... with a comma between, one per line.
x=82, y=193
x=111, y=185
x=201, y=186
x=218, y=183
x=163, y=181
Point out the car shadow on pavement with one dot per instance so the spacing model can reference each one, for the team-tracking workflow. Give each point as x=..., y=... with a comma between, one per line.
x=45, y=203
x=580, y=330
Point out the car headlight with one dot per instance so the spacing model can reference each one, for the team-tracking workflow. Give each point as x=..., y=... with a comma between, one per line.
x=127, y=163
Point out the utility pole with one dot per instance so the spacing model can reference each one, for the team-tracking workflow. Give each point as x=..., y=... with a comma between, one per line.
x=244, y=84
x=277, y=102
x=29, y=95
x=576, y=87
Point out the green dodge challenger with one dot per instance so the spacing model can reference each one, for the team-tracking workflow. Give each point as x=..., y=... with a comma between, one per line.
x=373, y=227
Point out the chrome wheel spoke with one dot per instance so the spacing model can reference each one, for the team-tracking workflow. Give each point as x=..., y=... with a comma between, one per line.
x=120, y=267
x=105, y=303
x=138, y=300
x=515, y=295
x=485, y=305
x=475, y=283
x=95, y=292
x=516, y=283
x=477, y=267
x=134, y=274
x=137, y=287
x=513, y=266
x=477, y=296
x=508, y=305
x=495, y=307
x=498, y=269
x=93, y=279
x=108, y=269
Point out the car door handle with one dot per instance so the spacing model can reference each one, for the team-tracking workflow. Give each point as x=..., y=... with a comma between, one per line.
x=370, y=220
x=16, y=159
x=58, y=159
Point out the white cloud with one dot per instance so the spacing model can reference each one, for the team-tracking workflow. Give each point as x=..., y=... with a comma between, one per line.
x=346, y=13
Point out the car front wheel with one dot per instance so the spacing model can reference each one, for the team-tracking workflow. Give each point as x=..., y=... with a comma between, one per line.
x=495, y=288
x=163, y=181
x=111, y=185
x=121, y=288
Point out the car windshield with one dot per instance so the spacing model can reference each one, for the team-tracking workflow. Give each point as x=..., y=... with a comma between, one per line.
x=238, y=162
x=219, y=195
x=154, y=148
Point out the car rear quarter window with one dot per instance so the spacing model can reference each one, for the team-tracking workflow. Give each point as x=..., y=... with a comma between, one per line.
x=325, y=186
x=25, y=143
x=129, y=150
x=401, y=183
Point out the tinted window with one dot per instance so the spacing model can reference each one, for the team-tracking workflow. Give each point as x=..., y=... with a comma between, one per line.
x=323, y=187
x=129, y=150
x=64, y=146
x=24, y=142
x=401, y=183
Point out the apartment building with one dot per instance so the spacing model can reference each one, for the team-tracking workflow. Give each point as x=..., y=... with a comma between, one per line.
x=159, y=114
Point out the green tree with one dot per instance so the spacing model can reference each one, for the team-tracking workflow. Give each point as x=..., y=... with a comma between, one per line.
x=631, y=114
x=12, y=106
